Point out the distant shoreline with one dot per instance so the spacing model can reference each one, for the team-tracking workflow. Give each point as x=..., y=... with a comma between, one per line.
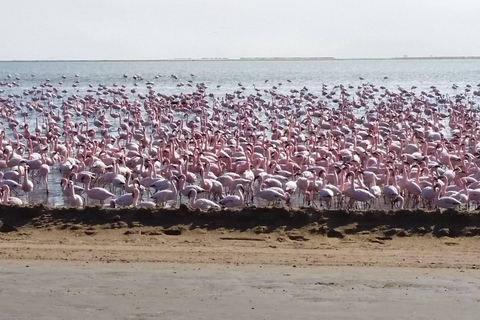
x=273, y=59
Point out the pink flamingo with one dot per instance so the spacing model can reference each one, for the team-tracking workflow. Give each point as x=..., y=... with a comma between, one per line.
x=6, y=199
x=356, y=194
x=272, y=195
x=44, y=170
x=27, y=185
x=143, y=204
x=96, y=193
x=234, y=200
x=445, y=202
x=203, y=204
x=75, y=200
x=163, y=196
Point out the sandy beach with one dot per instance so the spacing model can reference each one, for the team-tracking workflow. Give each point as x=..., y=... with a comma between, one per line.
x=119, y=268
x=69, y=290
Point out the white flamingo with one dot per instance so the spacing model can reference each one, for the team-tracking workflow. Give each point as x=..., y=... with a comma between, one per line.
x=445, y=202
x=360, y=195
x=6, y=199
x=163, y=196
x=75, y=200
x=203, y=204
x=231, y=201
x=143, y=204
x=27, y=185
x=96, y=193
x=66, y=188
x=271, y=194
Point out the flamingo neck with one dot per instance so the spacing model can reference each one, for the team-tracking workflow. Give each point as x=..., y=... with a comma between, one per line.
x=135, y=197
x=352, y=186
x=240, y=195
x=72, y=191
x=87, y=186
x=260, y=184
x=181, y=184
x=444, y=188
x=193, y=198
x=6, y=194
x=174, y=187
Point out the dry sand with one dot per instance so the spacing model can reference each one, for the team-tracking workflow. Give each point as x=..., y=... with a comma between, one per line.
x=61, y=267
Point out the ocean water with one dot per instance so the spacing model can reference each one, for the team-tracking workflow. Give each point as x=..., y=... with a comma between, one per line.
x=227, y=74
x=222, y=77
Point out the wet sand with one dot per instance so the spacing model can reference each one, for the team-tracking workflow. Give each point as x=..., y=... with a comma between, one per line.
x=66, y=290
x=67, y=274
x=273, y=264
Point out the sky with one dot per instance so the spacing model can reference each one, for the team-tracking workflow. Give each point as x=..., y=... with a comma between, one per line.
x=198, y=29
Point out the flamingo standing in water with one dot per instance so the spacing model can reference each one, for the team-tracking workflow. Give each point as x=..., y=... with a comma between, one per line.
x=163, y=196
x=231, y=201
x=96, y=193
x=445, y=202
x=122, y=201
x=131, y=199
x=75, y=200
x=230, y=137
x=272, y=195
x=143, y=204
x=6, y=199
x=44, y=171
x=27, y=185
x=203, y=204
x=357, y=194
x=66, y=188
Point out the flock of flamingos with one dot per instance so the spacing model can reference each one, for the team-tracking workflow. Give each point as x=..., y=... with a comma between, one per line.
x=343, y=147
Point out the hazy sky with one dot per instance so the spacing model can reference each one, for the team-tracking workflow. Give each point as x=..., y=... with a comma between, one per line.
x=169, y=29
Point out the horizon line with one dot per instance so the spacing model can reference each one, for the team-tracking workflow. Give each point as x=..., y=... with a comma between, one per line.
x=249, y=59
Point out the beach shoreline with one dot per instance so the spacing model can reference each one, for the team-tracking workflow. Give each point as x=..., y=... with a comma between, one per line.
x=144, y=264
x=332, y=223
x=270, y=236
x=61, y=290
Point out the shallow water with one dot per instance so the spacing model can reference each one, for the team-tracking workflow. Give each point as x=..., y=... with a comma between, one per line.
x=220, y=77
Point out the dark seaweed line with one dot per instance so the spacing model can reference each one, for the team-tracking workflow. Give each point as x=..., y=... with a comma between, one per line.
x=268, y=219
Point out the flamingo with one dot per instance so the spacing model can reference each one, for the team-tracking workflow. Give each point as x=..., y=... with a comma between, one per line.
x=185, y=190
x=271, y=195
x=390, y=191
x=6, y=199
x=374, y=133
x=27, y=185
x=122, y=201
x=203, y=204
x=234, y=200
x=96, y=193
x=359, y=195
x=163, y=196
x=66, y=188
x=44, y=171
x=13, y=185
x=75, y=200
x=445, y=202
x=143, y=204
